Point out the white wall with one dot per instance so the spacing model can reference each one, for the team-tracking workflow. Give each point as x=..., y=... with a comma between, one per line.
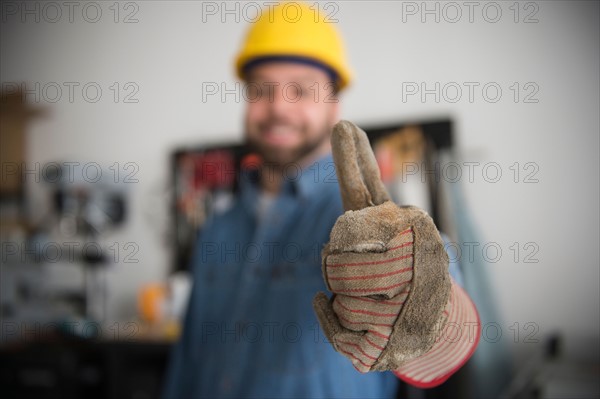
x=170, y=52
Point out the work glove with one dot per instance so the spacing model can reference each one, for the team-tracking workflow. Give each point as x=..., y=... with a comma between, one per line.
x=388, y=271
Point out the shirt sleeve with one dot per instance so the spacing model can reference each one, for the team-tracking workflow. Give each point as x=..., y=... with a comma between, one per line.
x=178, y=379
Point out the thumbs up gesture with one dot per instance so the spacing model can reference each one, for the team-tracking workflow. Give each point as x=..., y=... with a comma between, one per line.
x=386, y=267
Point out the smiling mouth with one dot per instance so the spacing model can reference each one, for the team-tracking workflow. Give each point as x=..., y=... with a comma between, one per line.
x=280, y=134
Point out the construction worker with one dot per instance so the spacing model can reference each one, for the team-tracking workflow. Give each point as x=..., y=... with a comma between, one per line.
x=250, y=328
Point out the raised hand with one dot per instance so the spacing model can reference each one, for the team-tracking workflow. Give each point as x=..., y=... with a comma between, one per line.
x=385, y=265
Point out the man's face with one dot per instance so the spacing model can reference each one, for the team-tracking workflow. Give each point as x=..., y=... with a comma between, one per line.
x=290, y=111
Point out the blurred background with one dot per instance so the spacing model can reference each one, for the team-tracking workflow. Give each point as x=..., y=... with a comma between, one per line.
x=101, y=99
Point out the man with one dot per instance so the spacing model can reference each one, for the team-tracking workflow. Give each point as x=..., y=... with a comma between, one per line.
x=250, y=328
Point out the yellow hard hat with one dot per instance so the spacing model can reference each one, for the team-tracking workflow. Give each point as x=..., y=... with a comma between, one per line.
x=295, y=31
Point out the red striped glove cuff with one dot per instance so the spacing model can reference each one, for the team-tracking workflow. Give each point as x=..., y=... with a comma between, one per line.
x=454, y=345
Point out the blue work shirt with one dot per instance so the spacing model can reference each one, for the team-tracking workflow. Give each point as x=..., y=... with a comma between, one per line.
x=250, y=330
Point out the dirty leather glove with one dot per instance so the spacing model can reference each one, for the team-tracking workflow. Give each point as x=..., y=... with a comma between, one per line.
x=385, y=265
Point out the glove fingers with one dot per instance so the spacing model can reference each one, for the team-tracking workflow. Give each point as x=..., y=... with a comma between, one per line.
x=371, y=323
x=351, y=344
x=374, y=320
x=368, y=314
x=327, y=319
x=330, y=323
x=356, y=167
x=385, y=274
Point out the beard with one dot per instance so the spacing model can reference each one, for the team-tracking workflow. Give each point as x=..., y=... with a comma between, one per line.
x=278, y=158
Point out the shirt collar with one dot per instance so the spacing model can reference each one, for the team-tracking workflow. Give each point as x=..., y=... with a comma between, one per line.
x=314, y=177
x=306, y=182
